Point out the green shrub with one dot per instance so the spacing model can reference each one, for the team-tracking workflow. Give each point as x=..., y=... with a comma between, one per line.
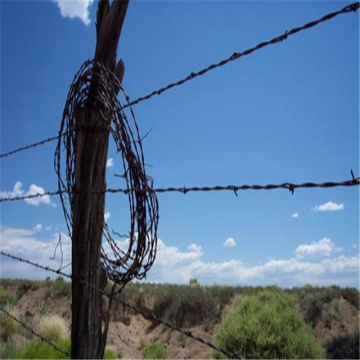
x=7, y=299
x=267, y=326
x=336, y=305
x=52, y=327
x=328, y=320
x=41, y=350
x=194, y=282
x=60, y=287
x=344, y=347
x=186, y=306
x=110, y=354
x=311, y=305
x=155, y=351
x=8, y=326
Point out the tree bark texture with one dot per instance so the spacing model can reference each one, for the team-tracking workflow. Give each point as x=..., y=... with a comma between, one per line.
x=88, y=209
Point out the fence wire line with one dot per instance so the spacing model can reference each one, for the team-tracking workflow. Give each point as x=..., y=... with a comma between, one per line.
x=184, y=190
x=34, y=333
x=235, y=56
x=28, y=147
x=147, y=315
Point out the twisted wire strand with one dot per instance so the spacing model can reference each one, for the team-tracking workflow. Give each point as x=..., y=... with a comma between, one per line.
x=235, y=56
x=184, y=190
x=189, y=334
x=34, y=332
x=96, y=87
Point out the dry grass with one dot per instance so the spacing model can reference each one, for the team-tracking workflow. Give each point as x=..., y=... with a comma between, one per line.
x=52, y=327
x=8, y=326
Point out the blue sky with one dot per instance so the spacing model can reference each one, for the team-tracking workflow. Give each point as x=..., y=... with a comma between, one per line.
x=288, y=113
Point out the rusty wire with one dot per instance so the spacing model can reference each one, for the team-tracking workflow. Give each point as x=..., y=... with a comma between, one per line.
x=27, y=327
x=233, y=188
x=28, y=147
x=187, y=333
x=235, y=56
x=94, y=85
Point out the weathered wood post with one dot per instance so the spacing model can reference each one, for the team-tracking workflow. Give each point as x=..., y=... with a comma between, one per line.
x=88, y=209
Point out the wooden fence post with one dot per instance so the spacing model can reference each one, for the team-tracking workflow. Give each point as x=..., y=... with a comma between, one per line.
x=88, y=209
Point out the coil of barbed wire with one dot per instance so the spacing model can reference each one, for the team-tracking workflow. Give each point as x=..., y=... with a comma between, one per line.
x=96, y=85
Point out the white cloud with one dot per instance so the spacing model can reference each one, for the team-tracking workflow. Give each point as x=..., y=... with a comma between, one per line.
x=23, y=243
x=33, y=189
x=37, y=227
x=107, y=216
x=17, y=191
x=323, y=247
x=75, y=9
x=48, y=228
x=230, y=242
x=329, y=206
x=295, y=215
x=194, y=248
x=110, y=162
x=354, y=246
x=175, y=266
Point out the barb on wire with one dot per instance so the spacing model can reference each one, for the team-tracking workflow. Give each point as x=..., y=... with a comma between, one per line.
x=147, y=315
x=235, y=56
x=28, y=147
x=34, y=333
x=233, y=188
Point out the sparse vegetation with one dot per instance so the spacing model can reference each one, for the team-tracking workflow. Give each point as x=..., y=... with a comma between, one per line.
x=267, y=326
x=186, y=306
x=155, y=351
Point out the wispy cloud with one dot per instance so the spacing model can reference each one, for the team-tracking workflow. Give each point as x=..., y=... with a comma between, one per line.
x=75, y=9
x=107, y=216
x=230, y=242
x=33, y=189
x=110, y=162
x=37, y=227
x=295, y=215
x=329, y=206
x=323, y=247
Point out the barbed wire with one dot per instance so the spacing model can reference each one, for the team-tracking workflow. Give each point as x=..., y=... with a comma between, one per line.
x=184, y=190
x=28, y=147
x=34, y=332
x=187, y=333
x=235, y=56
